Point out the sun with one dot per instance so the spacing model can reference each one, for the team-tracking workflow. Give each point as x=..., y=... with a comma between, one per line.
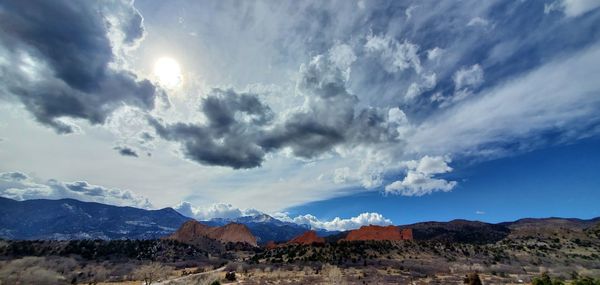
x=168, y=72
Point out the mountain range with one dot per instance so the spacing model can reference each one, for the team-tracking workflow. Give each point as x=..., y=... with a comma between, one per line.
x=68, y=219
x=267, y=228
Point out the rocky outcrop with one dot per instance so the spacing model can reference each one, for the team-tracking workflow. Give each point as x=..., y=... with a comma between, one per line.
x=192, y=230
x=189, y=231
x=270, y=245
x=308, y=238
x=233, y=232
x=373, y=232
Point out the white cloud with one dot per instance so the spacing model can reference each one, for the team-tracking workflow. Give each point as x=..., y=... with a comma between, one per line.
x=408, y=12
x=342, y=56
x=478, y=21
x=273, y=49
x=561, y=96
x=419, y=179
x=434, y=53
x=337, y=224
x=217, y=210
x=468, y=77
x=341, y=175
x=428, y=81
x=479, y=212
x=221, y=210
x=572, y=8
x=18, y=186
x=393, y=55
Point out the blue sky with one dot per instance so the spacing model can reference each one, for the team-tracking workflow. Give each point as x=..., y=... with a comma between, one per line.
x=331, y=113
x=560, y=181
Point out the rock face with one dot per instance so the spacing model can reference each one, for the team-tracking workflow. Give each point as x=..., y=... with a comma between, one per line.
x=192, y=230
x=372, y=232
x=270, y=245
x=308, y=237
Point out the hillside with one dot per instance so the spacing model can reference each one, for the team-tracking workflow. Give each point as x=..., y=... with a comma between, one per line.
x=510, y=252
x=72, y=219
x=459, y=231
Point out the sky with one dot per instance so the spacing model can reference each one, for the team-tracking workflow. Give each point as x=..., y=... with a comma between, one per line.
x=329, y=113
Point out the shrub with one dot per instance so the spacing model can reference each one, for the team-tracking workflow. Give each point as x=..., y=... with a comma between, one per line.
x=472, y=279
x=545, y=279
x=230, y=276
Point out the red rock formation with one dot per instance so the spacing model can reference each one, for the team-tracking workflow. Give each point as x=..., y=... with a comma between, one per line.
x=233, y=232
x=372, y=232
x=308, y=237
x=407, y=234
x=189, y=231
x=270, y=245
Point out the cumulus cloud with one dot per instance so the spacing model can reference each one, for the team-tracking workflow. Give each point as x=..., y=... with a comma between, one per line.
x=468, y=77
x=230, y=136
x=394, y=56
x=59, y=69
x=330, y=115
x=420, y=180
x=19, y=186
x=240, y=129
x=227, y=211
x=218, y=210
x=342, y=56
x=427, y=82
x=337, y=224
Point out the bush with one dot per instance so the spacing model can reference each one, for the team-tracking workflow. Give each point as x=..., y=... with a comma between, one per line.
x=152, y=272
x=230, y=276
x=586, y=281
x=29, y=270
x=545, y=279
x=472, y=279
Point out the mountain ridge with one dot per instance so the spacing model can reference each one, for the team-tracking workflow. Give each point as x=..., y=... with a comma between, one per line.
x=68, y=219
x=65, y=219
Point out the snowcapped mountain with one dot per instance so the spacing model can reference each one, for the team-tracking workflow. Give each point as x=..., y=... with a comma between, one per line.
x=267, y=228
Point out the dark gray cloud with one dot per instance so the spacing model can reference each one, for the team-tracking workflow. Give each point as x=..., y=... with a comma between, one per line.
x=19, y=186
x=146, y=137
x=126, y=151
x=13, y=176
x=240, y=129
x=230, y=135
x=84, y=187
x=331, y=117
x=58, y=55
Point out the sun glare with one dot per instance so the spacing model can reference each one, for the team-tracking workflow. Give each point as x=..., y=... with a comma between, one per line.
x=168, y=72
